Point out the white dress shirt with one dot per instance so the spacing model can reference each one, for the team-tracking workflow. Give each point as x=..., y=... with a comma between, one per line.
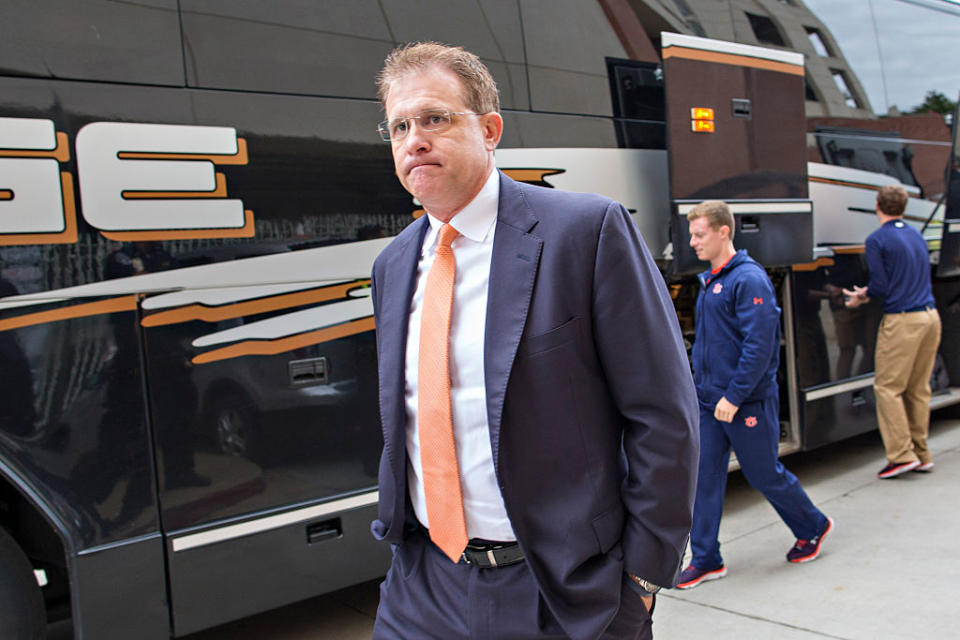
x=485, y=513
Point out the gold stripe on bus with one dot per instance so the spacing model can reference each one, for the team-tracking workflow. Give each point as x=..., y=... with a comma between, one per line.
x=6, y=194
x=220, y=191
x=69, y=233
x=813, y=266
x=736, y=60
x=240, y=157
x=273, y=347
x=846, y=183
x=87, y=309
x=250, y=307
x=530, y=175
x=850, y=249
x=61, y=152
x=246, y=231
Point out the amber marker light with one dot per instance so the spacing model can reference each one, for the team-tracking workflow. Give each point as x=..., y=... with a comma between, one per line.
x=702, y=121
x=702, y=126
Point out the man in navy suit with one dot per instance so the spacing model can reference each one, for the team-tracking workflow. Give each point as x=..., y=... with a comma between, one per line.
x=571, y=403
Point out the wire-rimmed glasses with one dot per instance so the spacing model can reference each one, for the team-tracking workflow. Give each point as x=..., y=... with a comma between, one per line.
x=434, y=120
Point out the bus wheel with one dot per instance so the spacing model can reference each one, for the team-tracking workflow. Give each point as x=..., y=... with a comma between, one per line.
x=22, y=614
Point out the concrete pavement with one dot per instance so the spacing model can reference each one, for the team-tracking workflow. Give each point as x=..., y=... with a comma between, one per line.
x=888, y=570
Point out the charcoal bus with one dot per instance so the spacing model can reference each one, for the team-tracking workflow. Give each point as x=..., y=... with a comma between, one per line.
x=191, y=198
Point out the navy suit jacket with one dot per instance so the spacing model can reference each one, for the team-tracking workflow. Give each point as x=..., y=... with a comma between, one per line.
x=590, y=401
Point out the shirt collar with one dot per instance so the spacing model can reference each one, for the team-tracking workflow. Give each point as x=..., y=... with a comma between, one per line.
x=476, y=219
x=720, y=268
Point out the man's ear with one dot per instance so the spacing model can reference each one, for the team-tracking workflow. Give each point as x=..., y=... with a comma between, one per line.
x=724, y=231
x=492, y=124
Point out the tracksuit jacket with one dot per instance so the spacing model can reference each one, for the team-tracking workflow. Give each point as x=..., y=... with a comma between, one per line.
x=737, y=348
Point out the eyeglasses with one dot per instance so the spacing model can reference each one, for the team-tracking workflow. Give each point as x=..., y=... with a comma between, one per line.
x=435, y=120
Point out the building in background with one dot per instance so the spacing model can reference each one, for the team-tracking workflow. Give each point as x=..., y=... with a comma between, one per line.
x=832, y=88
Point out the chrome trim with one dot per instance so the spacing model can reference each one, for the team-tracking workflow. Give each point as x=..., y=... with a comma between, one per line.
x=121, y=543
x=251, y=527
x=945, y=398
x=837, y=389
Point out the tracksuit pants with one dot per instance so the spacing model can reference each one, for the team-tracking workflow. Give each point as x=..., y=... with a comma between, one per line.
x=754, y=435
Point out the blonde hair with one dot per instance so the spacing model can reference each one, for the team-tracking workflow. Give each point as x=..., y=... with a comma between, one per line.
x=716, y=212
x=479, y=88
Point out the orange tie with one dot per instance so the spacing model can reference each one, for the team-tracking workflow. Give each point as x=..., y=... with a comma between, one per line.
x=438, y=453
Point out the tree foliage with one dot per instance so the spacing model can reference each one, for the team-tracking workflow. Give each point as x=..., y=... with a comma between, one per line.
x=936, y=102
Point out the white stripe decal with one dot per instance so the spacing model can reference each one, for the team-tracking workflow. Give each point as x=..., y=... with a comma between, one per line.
x=260, y=525
x=722, y=46
x=228, y=295
x=756, y=207
x=347, y=261
x=292, y=323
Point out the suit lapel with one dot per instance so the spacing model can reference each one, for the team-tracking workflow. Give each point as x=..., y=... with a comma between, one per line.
x=513, y=270
x=393, y=317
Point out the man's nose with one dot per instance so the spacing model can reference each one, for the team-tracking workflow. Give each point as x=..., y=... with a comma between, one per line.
x=416, y=138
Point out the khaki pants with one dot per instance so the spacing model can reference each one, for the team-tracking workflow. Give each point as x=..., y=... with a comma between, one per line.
x=906, y=348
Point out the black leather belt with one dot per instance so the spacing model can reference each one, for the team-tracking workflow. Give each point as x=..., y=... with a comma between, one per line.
x=489, y=555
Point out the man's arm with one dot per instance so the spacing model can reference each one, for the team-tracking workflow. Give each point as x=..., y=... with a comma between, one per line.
x=878, y=284
x=648, y=375
x=756, y=313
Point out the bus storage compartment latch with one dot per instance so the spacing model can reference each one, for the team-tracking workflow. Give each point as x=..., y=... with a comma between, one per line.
x=749, y=224
x=857, y=399
x=324, y=530
x=740, y=107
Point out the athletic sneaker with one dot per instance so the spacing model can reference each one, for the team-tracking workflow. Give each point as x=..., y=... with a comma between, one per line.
x=692, y=576
x=807, y=550
x=925, y=467
x=893, y=469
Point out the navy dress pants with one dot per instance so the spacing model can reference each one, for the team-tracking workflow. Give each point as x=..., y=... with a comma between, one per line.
x=425, y=596
x=754, y=435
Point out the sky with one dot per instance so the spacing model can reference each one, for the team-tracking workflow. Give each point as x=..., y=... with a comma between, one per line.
x=919, y=52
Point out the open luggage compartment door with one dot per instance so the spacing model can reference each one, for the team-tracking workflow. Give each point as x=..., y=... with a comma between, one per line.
x=736, y=131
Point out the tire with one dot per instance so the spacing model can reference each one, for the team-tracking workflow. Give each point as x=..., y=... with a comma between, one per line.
x=22, y=613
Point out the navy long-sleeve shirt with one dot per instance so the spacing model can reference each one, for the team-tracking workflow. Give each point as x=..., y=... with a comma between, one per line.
x=899, y=266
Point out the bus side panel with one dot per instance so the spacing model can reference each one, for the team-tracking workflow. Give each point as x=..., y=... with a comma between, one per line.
x=240, y=576
x=121, y=592
x=265, y=401
x=834, y=347
x=836, y=417
x=72, y=414
x=314, y=177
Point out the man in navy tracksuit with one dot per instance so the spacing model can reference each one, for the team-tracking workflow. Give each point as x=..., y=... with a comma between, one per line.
x=735, y=359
